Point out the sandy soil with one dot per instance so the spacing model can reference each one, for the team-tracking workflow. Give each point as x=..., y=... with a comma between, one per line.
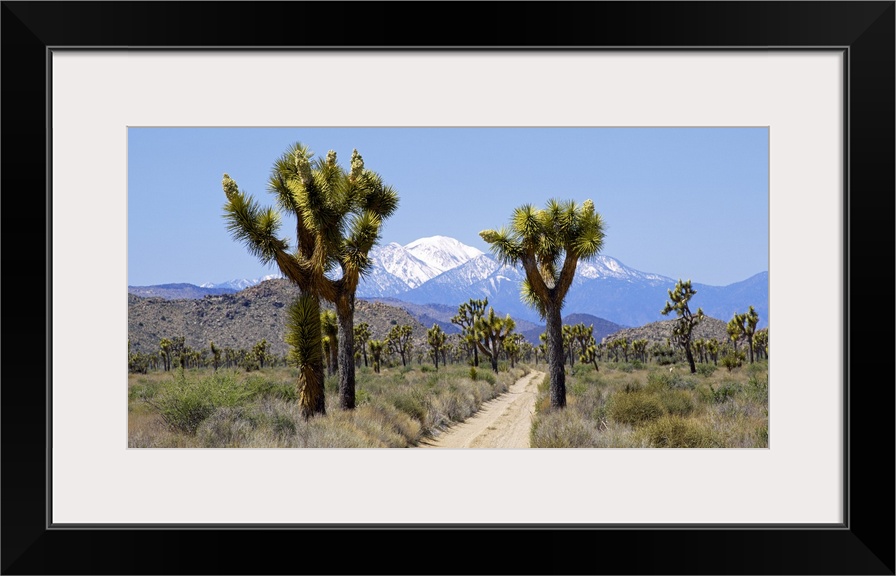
x=502, y=422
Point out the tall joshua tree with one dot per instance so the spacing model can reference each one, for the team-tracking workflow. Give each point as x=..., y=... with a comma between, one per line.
x=687, y=321
x=549, y=243
x=338, y=218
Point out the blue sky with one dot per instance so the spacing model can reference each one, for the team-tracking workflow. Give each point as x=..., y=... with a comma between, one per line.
x=681, y=202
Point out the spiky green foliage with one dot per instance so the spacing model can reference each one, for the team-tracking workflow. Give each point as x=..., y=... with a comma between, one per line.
x=679, y=298
x=549, y=243
x=303, y=334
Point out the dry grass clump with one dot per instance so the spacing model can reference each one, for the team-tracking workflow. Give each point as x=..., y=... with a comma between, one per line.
x=673, y=431
x=559, y=429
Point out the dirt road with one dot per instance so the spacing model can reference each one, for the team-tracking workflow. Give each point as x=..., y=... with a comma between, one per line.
x=502, y=422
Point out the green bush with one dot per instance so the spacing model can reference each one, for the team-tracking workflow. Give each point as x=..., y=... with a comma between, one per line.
x=706, y=369
x=412, y=404
x=733, y=360
x=473, y=373
x=634, y=407
x=726, y=390
x=757, y=388
x=678, y=402
x=184, y=404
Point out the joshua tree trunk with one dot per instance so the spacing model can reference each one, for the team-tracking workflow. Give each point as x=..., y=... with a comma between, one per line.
x=345, y=311
x=556, y=355
x=690, y=357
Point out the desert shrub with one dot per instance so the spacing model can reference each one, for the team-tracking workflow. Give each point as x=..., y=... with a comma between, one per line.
x=489, y=377
x=411, y=403
x=638, y=365
x=259, y=386
x=184, y=404
x=426, y=368
x=562, y=429
x=473, y=373
x=634, y=407
x=577, y=387
x=706, y=369
x=717, y=395
x=678, y=402
x=757, y=388
x=626, y=367
x=503, y=366
x=733, y=360
x=362, y=397
x=226, y=427
x=757, y=368
x=672, y=431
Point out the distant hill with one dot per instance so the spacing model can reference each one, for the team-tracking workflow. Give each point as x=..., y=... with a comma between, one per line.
x=178, y=291
x=658, y=332
x=240, y=320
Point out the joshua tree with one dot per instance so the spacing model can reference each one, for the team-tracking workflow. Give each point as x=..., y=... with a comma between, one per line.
x=165, y=351
x=435, y=337
x=736, y=328
x=684, y=327
x=568, y=341
x=491, y=331
x=549, y=243
x=330, y=338
x=639, y=347
x=260, y=351
x=467, y=315
x=216, y=355
x=399, y=341
x=761, y=342
x=362, y=336
x=584, y=337
x=751, y=318
x=376, y=352
x=338, y=218
x=514, y=344
x=304, y=337
x=712, y=350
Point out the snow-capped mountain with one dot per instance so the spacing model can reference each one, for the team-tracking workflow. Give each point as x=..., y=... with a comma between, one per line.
x=608, y=267
x=441, y=252
x=439, y=270
x=398, y=261
x=241, y=284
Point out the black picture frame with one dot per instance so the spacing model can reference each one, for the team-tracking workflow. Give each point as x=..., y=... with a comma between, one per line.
x=864, y=544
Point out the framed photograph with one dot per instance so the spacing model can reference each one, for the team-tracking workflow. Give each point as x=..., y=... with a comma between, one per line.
x=818, y=76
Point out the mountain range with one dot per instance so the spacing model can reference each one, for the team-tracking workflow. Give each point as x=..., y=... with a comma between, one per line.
x=441, y=272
